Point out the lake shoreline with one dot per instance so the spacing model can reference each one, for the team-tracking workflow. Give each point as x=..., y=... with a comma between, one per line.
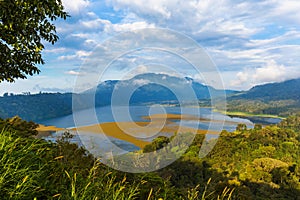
x=245, y=114
x=135, y=133
x=145, y=127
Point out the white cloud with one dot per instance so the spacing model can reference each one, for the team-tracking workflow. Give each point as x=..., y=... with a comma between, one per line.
x=78, y=55
x=72, y=72
x=131, y=26
x=157, y=7
x=227, y=24
x=55, y=50
x=95, y=23
x=141, y=69
x=287, y=10
x=271, y=72
x=269, y=42
x=198, y=18
x=241, y=79
x=140, y=82
x=227, y=29
x=67, y=57
x=74, y=7
x=109, y=27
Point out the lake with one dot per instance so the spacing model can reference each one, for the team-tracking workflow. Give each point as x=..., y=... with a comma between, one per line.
x=104, y=114
x=96, y=143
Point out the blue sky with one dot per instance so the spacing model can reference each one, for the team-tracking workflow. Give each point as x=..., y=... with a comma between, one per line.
x=251, y=42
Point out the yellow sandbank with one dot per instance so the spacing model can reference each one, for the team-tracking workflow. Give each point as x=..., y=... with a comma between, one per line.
x=186, y=117
x=134, y=131
x=45, y=131
x=43, y=128
x=113, y=130
x=170, y=117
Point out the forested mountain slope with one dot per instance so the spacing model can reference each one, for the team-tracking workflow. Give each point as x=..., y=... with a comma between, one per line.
x=274, y=98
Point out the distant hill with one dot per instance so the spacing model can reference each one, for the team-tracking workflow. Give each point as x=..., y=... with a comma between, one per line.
x=37, y=106
x=147, y=88
x=273, y=98
x=287, y=90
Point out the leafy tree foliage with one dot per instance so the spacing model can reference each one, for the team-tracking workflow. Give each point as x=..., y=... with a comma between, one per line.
x=24, y=24
x=19, y=127
x=158, y=143
x=241, y=127
x=258, y=163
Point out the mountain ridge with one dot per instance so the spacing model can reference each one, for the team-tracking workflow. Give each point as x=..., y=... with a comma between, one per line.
x=282, y=99
x=150, y=88
x=289, y=89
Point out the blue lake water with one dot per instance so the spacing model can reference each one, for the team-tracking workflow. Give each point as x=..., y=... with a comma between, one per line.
x=96, y=143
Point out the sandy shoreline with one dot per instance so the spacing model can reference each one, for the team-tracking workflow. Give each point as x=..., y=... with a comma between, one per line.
x=42, y=128
x=184, y=117
x=134, y=132
x=171, y=116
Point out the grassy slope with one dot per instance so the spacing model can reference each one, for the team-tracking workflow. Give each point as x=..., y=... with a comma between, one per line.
x=31, y=168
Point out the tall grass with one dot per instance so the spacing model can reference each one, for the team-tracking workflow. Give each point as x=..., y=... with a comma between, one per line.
x=32, y=169
x=19, y=166
x=100, y=187
x=194, y=194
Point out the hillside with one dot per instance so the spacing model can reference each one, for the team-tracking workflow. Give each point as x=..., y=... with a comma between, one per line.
x=281, y=99
x=36, y=106
x=287, y=90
